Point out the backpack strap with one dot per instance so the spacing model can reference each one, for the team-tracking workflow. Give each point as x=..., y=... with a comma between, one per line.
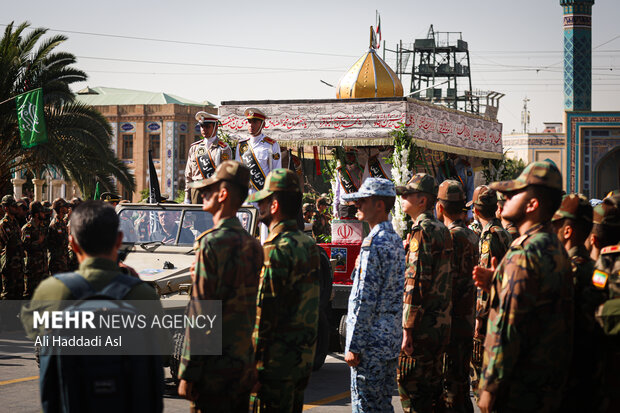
x=77, y=284
x=120, y=286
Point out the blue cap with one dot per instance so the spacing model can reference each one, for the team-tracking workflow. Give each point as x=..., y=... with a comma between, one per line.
x=372, y=187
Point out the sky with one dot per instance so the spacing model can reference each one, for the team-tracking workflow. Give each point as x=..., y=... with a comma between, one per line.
x=248, y=50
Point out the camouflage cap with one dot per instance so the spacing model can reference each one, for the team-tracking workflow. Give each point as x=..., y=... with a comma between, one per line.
x=322, y=201
x=419, y=182
x=501, y=199
x=607, y=212
x=278, y=180
x=22, y=204
x=308, y=207
x=372, y=187
x=231, y=171
x=483, y=196
x=59, y=203
x=574, y=206
x=537, y=173
x=36, y=207
x=450, y=190
x=8, y=200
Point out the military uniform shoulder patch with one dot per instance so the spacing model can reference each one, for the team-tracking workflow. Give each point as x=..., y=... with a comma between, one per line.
x=485, y=247
x=269, y=140
x=414, y=245
x=276, y=156
x=611, y=249
x=599, y=279
x=222, y=144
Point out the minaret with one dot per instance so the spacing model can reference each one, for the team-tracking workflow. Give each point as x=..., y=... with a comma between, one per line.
x=577, y=54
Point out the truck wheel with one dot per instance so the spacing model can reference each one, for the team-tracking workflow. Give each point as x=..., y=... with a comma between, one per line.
x=322, y=342
x=175, y=359
x=342, y=332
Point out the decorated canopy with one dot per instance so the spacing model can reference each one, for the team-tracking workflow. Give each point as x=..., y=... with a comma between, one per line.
x=368, y=122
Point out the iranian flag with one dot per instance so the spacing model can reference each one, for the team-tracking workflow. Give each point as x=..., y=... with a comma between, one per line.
x=30, y=118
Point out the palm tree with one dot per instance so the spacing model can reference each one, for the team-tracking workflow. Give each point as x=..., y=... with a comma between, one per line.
x=79, y=137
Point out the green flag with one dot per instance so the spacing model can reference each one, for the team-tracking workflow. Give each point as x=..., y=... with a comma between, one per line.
x=30, y=118
x=97, y=192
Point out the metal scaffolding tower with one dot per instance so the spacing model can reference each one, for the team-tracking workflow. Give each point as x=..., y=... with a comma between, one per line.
x=438, y=68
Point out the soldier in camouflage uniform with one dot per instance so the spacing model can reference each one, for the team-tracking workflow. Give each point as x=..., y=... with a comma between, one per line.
x=34, y=238
x=494, y=242
x=72, y=263
x=604, y=231
x=527, y=349
x=607, y=275
x=449, y=208
x=320, y=220
x=228, y=263
x=427, y=301
x=374, y=314
x=11, y=252
x=58, y=238
x=572, y=223
x=475, y=224
x=288, y=299
x=606, y=278
x=508, y=226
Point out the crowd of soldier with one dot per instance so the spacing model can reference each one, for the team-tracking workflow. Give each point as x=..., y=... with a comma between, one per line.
x=34, y=243
x=524, y=311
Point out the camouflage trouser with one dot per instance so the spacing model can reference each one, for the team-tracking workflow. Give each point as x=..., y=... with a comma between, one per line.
x=372, y=383
x=12, y=285
x=419, y=379
x=31, y=281
x=476, y=364
x=456, y=377
x=279, y=396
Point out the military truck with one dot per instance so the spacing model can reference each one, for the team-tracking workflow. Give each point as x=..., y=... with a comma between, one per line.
x=158, y=242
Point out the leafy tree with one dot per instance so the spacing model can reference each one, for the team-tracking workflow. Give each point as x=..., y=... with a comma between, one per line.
x=502, y=169
x=79, y=137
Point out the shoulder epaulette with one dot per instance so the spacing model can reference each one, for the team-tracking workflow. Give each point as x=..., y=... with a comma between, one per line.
x=367, y=241
x=611, y=249
x=269, y=140
x=519, y=240
x=196, y=143
x=244, y=139
x=199, y=237
x=222, y=144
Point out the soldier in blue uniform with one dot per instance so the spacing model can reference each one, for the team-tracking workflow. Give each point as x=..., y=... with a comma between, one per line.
x=374, y=331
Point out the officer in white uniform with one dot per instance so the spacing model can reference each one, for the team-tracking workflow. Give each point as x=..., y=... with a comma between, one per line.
x=259, y=153
x=205, y=155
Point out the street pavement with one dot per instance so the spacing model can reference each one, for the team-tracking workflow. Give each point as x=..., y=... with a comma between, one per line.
x=327, y=392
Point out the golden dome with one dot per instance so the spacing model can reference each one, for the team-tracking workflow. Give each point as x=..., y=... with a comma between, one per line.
x=369, y=77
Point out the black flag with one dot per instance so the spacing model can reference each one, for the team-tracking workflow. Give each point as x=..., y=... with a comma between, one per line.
x=154, y=192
